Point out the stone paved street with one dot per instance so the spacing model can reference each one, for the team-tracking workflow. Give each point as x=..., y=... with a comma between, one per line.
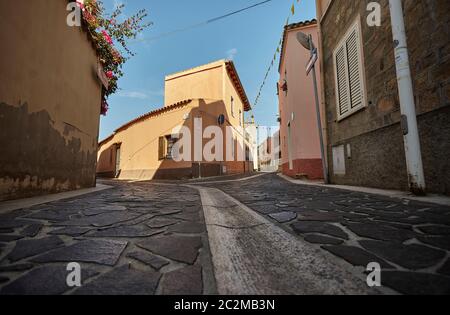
x=151, y=238
x=136, y=238
x=409, y=239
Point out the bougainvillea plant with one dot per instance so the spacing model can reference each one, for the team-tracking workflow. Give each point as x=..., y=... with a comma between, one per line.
x=105, y=30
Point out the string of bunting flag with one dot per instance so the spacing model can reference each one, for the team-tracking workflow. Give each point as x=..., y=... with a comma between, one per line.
x=277, y=52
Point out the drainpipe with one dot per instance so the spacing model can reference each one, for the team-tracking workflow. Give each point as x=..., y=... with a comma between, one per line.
x=414, y=163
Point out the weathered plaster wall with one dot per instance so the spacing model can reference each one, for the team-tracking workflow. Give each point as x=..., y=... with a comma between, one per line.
x=49, y=101
x=374, y=135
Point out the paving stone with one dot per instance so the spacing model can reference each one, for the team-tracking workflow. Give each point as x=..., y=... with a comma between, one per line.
x=184, y=281
x=3, y=280
x=193, y=217
x=122, y=281
x=47, y=280
x=435, y=230
x=159, y=222
x=412, y=256
x=435, y=218
x=319, y=239
x=127, y=231
x=13, y=215
x=102, y=220
x=192, y=209
x=445, y=269
x=309, y=215
x=14, y=223
x=149, y=259
x=71, y=231
x=104, y=252
x=356, y=256
x=380, y=232
x=187, y=228
x=283, y=217
x=100, y=210
x=18, y=267
x=167, y=211
x=436, y=241
x=32, y=230
x=401, y=226
x=355, y=216
x=10, y=238
x=266, y=209
x=318, y=227
x=53, y=216
x=33, y=247
x=179, y=248
x=415, y=283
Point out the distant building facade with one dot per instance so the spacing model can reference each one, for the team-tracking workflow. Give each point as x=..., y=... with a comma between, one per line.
x=300, y=142
x=142, y=148
x=50, y=101
x=269, y=153
x=365, y=137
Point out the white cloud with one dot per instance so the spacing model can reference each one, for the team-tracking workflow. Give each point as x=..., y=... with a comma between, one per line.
x=140, y=95
x=133, y=94
x=231, y=53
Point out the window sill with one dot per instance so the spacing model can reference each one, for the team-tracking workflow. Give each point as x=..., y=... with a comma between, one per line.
x=353, y=112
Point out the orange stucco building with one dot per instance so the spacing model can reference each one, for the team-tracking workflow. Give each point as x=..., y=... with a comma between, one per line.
x=141, y=149
x=299, y=135
x=50, y=99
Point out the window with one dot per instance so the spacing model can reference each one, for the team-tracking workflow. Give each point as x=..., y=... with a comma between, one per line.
x=232, y=106
x=349, y=77
x=165, y=147
x=240, y=118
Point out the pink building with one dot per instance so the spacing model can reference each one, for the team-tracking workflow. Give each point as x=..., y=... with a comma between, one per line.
x=300, y=142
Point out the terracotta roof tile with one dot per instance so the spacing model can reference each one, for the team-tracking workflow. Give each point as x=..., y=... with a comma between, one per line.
x=146, y=116
x=292, y=27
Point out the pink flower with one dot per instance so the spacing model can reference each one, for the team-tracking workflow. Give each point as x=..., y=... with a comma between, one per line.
x=104, y=108
x=109, y=74
x=80, y=3
x=107, y=37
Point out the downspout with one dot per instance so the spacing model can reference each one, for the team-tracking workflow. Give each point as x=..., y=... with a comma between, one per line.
x=416, y=178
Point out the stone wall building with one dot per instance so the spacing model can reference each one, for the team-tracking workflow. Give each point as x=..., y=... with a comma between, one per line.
x=50, y=100
x=365, y=139
x=141, y=149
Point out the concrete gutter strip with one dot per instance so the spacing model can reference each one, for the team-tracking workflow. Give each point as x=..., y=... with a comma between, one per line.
x=12, y=205
x=430, y=198
x=251, y=255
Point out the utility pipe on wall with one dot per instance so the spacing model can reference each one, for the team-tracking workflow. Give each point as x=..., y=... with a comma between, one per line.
x=413, y=154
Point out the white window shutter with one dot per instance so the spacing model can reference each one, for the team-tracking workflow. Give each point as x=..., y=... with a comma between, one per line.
x=354, y=69
x=342, y=82
x=350, y=95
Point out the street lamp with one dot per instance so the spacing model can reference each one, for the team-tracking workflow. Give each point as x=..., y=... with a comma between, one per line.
x=307, y=42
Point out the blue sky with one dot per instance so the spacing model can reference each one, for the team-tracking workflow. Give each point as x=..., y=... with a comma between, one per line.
x=249, y=38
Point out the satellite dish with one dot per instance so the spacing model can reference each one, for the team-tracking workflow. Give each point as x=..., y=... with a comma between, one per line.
x=304, y=40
